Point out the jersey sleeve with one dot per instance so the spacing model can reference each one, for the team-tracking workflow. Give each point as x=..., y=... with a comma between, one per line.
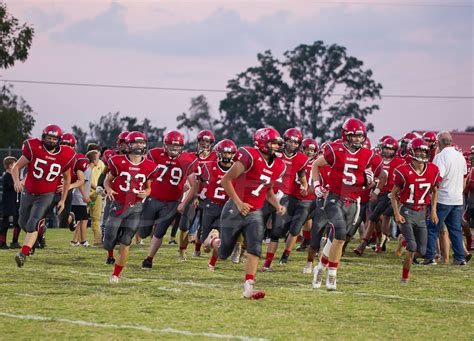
x=26, y=150
x=398, y=178
x=194, y=167
x=328, y=154
x=437, y=178
x=243, y=155
x=112, y=167
x=70, y=162
x=205, y=174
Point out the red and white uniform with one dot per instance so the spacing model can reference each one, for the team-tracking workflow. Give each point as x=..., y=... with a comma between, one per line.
x=212, y=157
x=129, y=178
x=389, y=167
x=258, y=178
x=415, y=188
x=294, y=164
x=170, y=174
x=347, y=169
x=45, y=168
x=80, y=163
x=108, y=154
x=212, y=174
x=295, y=186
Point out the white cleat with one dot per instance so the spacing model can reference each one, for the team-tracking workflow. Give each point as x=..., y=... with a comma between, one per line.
x=114, y=279
x=318, y=273
x=250, y=293
x=211, y=268
x=331, y=282
x=308, y=268
x=235, y=256
x=182, y=256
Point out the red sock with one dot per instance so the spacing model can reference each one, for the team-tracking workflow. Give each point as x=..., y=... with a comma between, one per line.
x=333, y=265
x=3, y=238
x=374, y=236
x=307, y=235
x=324, y=261
x=110, y=253
x=181, y=248
x=268, y=259
x=404, y=243
x=117, y=270
x=468, y=243
x=25, y=250
x=213, y=260
x=148, y=258
x=405, y=273
x=197, y=247
x=310, y=258
x=249, y=277
x=288, y=252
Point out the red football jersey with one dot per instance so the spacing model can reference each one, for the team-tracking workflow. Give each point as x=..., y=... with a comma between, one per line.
x=45, y=168
x=171, y=174
x=293, y=164
x=295, y=186
x=81, y=163
x=253, y=184
x=389, y=167
x=108, y=154
x=212, y=174
x=324, y=174
x=432, y=154
x=201, y=162
x=415, y=188
x=470, y=184
x=129, y=178
x=347, y=168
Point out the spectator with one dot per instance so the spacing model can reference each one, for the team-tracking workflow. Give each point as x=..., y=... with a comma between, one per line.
x=95, y=207
x=11, y=204
x=453, y=170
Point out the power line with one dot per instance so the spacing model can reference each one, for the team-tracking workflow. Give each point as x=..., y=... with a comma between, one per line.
x=138, y=87
x=394, y=4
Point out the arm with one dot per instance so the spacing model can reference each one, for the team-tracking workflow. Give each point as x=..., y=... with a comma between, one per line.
x=383, y=178
x=22, y=162
x=191, y=193
x=319, y=190
x=108, y=186
x=396, y=211
x=234, y=172
x=303, y=183
x=272, y=199
x=65, y=191
x=434, y=201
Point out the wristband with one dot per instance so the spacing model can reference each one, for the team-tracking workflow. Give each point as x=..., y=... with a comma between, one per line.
x=376, y=191
x=316, y=183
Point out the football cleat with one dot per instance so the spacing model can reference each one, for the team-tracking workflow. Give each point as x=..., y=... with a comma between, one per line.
x=197, y=254
x=85, y=244
x=235, y=256
x=147, y=264
x=308, y=268
x=250, y=293
x=15, y=246
x=331, y=282
x=211, y=268
x=266, y=269
x=318, y=273
x=358, y=251
x=243, y=256
x=283, y=259
x=182, y=256
x=303, y=246
x=20, y=259
x=41, y=242
x=114, y=279
x=404, y=281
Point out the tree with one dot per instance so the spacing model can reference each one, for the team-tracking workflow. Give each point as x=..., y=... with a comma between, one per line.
x=315, y=87
x=15, y=39
x=105, y=132
x=16, y=118
x=154, y=134
x=81, y=138
x=199, y=118
x=470, y=129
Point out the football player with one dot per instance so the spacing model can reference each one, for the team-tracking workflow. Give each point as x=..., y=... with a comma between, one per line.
x=46, y=160
x=248, y=183
x=414, y=182
x=430, y=138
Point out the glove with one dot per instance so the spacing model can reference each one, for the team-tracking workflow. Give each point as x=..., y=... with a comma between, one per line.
x=99, y=190
x=320, y=191
x=369, y=175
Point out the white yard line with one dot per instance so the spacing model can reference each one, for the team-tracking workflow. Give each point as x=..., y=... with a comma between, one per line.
x=126, y=326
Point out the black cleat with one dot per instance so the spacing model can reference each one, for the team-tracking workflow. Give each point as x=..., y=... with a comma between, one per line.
x=15, y=246
x=4, y=247
x=303, y=246
x=41, y=242
x=20, y=259
x=147, y=264
x=284, y=259
x=110, y=261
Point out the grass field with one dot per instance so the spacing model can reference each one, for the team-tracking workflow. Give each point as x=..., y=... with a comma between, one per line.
x=62, y=292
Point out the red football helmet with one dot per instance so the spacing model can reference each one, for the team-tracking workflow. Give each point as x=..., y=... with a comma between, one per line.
x=467, y=156
x=263, y=137
x=309, y=147
x=173, y=143
x=367, y=143
x=382, y=139
x=225, y=146
x=293, y=134
x=430, y=138
x=68, y=139
x=54, y=131
x=457, y=147
x=122, y=138
x=391, y=144
x=136, y=137
x=418, y=144
x=205, y=136
x=351, y=127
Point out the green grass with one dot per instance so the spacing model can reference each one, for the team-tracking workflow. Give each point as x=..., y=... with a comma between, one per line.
x=64, y=284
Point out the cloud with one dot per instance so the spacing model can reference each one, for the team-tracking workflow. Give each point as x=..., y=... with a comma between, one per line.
x=44, y=20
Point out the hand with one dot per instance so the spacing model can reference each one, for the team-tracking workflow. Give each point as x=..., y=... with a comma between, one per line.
x=181, y=207
x=303, y=190
x=60, y=206
x=109, y=193
x=244, y=208
x=434, y=217
x=399, y=219
x=281, y=210
x=195, y=203
x=86, y=199
x=320, y=191
x=99, y=190
x=141, y=194
x=18, y=186
x=59, y=189
x=373, y=198
x=369, y=175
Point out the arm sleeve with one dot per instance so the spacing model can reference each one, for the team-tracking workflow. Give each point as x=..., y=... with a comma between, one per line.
x=244, y=157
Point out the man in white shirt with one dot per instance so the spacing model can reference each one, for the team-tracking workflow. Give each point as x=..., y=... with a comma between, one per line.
x=453, y=170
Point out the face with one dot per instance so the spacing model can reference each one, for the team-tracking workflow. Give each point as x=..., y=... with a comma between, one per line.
x=291, y=145
x=204, y=144
x=388, y=152
x=227, y=155
x=274, y=146
x=137, y=147
x=310, y=152
x=123, y=146
x=174, y=149
x=95, y=161
x=421, y=154
x=50, y=142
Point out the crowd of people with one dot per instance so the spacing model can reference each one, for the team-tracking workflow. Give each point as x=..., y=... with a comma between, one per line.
x=418, y=190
